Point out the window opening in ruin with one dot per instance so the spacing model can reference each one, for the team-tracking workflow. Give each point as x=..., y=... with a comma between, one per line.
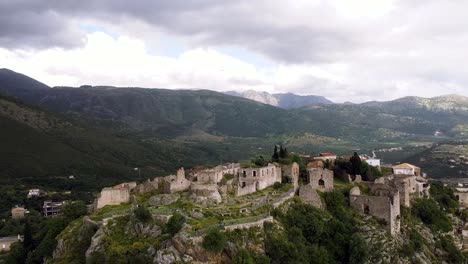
x=243, y=184
x=366, y=209
x=244, y=173
x=321, y=182
x=254, y=173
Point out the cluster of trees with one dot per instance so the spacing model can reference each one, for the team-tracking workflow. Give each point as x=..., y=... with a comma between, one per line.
x=40, y=233
x=355, y=166
x=279, y=155
x=312, y=235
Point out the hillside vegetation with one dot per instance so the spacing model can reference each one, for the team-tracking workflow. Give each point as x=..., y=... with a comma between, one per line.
x=107, y=131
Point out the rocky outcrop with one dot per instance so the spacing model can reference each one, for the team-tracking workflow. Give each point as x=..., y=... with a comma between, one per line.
x=142, y=230
x=163, y=199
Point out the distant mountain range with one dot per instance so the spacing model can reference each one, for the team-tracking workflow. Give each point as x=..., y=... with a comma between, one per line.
x=283, y=100
x=127, y=127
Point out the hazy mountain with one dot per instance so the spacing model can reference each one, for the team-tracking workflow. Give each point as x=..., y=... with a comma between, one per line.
x=398, y=118
x=283, y=100
x=173, y=113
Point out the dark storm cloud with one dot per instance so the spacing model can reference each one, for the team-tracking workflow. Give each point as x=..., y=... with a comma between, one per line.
x=43, y=24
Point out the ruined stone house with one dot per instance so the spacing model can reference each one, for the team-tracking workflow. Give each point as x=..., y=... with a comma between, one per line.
x=292, y=171
x=250, y=180
x=321, y=179
x=174, y=183
x=383, y=202
x=216, y=174
x=408, y=185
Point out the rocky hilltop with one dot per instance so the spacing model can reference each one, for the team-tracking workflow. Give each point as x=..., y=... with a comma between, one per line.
x=161, y=224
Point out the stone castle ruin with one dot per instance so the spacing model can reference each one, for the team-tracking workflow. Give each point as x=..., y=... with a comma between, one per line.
x=383, y=202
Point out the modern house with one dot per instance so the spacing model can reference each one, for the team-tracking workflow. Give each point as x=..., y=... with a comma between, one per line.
x=52, y=208
x=406, y=169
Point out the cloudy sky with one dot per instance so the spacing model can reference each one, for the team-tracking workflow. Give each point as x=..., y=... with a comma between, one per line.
x=355, y=50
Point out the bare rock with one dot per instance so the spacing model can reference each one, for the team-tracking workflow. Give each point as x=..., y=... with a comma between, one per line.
x=163, y=199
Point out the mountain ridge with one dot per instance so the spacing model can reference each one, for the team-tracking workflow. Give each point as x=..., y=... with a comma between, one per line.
x=283, y=100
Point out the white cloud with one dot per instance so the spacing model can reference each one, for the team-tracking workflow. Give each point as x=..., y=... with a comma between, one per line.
x=343, y=49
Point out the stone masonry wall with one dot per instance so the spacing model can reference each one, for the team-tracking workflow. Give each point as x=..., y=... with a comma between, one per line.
x=309, y=195
x=110, y=196
x=321, y=179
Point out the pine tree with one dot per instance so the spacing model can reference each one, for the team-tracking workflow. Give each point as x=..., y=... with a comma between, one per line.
x=275, y=157
x=286, y=154
x=28, y=243
x=355, y=164
x=281, y=152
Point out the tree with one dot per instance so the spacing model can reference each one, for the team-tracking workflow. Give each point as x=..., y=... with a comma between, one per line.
x=214, y=241
x=74, y=210
x=275, y=156
x=175, y=223
x=28, y=242
x=259, y=161
x=281, y=152
x=355, y=164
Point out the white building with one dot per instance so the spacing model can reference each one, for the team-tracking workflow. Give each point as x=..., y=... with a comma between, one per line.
x=406, y=169
x=34, y=193
x=373, y=162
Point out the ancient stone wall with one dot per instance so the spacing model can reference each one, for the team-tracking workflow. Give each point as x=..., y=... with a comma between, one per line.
x=284, y=198
x=205, y=193
x=258, y=223
x=216, y=174
x=309, y=195
x=251, y=180
x=321, y=179
x=383, y=204
x=462, y=198
x=175, y=183
x=111, y=196
x=292, y=171
x=243, y=190
x=145, y=187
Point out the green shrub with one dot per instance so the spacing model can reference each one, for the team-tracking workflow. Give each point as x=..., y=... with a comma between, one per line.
x=430, y=214
x=453, y=254
x=277, y=185
x=142, y=213
x=243, y=257
x=214, y=241
x=73, y=210
x=175, y=223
